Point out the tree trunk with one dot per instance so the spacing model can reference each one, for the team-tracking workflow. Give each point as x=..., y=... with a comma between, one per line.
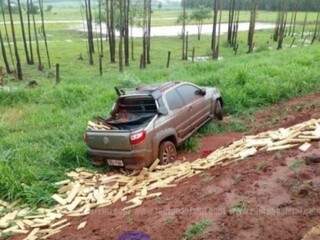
x=23, y=33
x=44, y=32
x=187, y=46
x=149, y=32
x=108, y=35
x=252, y=26
x=113, y=34
x=232, y=4
x=316, y=29
x=144, y=38
x=235, y=30
x=89, y=29
x=90, y=25
x=199, y=30
x=121, y=30
x=283, y=24
x=214, y=29
x=126, y=31
x=40, y=67
x=100, y=28
x=29, y=31
x=219, y=31
x=111, y=30
x=291, y=23
x=294, y=24
x=4, y=54
x=277, y=26
x=132, y=42
x=16, y=52
x=7, y=34
x=183, y=29
x=304, y=24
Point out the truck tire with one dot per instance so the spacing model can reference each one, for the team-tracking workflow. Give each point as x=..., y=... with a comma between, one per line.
x=167, y=152
x=218, y=110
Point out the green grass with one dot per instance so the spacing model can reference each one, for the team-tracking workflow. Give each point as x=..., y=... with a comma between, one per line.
x=41, y=128
x=197, y=229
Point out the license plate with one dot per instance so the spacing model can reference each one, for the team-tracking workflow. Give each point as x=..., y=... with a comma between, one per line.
x=117, y=163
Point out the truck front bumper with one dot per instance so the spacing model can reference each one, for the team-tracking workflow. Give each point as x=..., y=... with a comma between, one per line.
x=135, y=159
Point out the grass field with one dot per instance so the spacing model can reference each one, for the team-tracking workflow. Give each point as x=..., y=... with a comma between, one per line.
x=41, y=128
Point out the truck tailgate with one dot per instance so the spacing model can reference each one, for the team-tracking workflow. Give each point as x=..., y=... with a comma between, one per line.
x=109, y=140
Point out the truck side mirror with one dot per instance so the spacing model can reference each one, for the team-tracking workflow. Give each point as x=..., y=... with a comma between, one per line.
x=201, y=92
x=162, y=110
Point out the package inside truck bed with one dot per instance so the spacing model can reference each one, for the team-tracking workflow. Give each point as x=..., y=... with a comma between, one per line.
x=130, y=113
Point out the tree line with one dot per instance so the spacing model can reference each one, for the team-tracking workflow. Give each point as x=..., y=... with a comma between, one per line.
x=119, y=16
x=30, y=33
x=269, y=5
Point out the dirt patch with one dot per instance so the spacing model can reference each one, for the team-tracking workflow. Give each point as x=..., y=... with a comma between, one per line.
x=284, y=114
x=287, y=113
x=269, y=196
x=209, y=144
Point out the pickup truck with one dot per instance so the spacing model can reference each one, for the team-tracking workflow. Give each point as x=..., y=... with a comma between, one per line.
x=150, y=122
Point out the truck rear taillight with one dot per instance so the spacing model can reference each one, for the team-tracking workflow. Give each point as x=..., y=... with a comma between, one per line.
x=137, y=138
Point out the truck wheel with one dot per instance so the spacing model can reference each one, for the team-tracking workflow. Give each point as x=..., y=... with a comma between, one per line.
x=167, y=152
x=218, y=110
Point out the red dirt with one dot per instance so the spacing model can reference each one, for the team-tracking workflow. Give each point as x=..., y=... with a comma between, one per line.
x=270, y=196
x=209, y=144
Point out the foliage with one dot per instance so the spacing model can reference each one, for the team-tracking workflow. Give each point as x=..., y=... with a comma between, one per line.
x=200, y=14
x=34, y=9
x=181, y=17
x=191, y=144
x=310, y=5
x=49, y=8
x=196, y=229
x=239, y=207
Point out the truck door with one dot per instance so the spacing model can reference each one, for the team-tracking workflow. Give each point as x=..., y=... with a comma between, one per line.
x=179, y=114
x=196, y=105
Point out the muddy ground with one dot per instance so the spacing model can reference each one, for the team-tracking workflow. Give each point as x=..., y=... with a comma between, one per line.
x=269, y=196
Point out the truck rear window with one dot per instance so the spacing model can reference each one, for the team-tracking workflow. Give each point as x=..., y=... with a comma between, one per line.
x=137, y=104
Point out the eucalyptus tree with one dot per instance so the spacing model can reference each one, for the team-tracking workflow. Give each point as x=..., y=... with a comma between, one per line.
x=231, y=20
x=282, y=23
x=44, y=32
x=4, y=54
x=121, y=31
x=253, y=15
x=88, y=13
x=316, y=32
x=126, y=11
x=7, y=38
x=184, y=18
x=29, y=9
x=36, y=38
x=199, y=15
x=214, y=48
x=149, y=12
x=23, y=33
x=304, y=24
x=16, y=52
x=110, y=22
